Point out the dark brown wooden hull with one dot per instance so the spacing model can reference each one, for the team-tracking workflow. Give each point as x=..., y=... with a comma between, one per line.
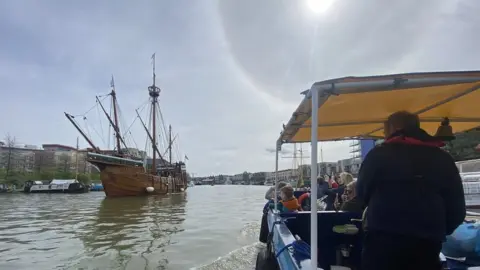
x=119, y=181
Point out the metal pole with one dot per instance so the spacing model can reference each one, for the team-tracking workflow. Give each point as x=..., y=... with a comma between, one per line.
x=313, y=179
x=76, y=162
x=277, y=149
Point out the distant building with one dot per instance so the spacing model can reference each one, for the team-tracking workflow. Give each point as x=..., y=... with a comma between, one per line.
x=208, y=181
x=52, y=157
x=359, y=150
x=350, y=165
x=287, y=176
x=258, y=178
x=58, y=148
x=237, y=179
x=17, y=158
x=135, y=152
x=323, y=168
x=62, y=158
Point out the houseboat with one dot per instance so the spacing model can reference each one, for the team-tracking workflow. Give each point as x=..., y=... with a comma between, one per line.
x=55, y=186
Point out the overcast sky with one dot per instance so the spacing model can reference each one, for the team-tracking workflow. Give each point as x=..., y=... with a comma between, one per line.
x=230, y=71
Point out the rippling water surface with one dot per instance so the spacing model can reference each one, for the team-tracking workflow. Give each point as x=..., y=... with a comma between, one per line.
x=208, y=227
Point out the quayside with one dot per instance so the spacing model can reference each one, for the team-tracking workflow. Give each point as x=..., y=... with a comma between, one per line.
x=356, y=108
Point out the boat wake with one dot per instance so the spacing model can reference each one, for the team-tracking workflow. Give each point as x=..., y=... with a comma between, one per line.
x=242, y=258
x=249, y=231
x=239, y=259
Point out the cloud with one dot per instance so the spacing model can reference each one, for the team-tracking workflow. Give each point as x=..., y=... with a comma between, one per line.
x=230, y=71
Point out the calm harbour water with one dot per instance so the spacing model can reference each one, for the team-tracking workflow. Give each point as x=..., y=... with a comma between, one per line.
x=208, y=227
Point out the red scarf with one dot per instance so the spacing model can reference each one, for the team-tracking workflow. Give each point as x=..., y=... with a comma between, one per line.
x=413, y=141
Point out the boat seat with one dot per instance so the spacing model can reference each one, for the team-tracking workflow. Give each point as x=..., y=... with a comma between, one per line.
x=328, y=240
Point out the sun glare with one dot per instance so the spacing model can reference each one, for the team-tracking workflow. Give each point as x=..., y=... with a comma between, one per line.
x=319, y=6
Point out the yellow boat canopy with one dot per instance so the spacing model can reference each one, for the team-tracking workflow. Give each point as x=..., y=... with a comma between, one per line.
x=356, y=107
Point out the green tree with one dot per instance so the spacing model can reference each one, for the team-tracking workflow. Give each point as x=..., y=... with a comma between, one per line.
x=64, y=163
x=10, y=144
x=463, y=147
x=64, y=175
x=95, y=177
x=84, y=178
x=45, y=175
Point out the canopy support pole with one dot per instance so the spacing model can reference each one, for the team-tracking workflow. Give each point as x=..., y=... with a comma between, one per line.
x=277, y=149
x=313, y=179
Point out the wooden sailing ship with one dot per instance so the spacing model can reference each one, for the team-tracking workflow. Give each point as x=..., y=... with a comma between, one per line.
x=124, y=175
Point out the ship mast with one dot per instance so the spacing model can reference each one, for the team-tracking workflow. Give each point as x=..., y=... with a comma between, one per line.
x=154, y=93
x=70, y=118
x=115, y=127
x=170, y=144
x=115, y=115
x=76, y=163
x=148, y=133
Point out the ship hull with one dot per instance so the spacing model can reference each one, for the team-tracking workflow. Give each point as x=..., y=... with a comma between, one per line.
x=120, y=181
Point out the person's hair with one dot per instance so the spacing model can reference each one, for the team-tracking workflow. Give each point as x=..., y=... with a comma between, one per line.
x=353, y=187
x=320, y=179
x=288, y=191
x=403, y=120
x=345, y=178
x=280, y=185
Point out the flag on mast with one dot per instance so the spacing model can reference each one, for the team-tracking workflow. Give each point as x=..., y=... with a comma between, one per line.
x=186, y=158
x=112, y=82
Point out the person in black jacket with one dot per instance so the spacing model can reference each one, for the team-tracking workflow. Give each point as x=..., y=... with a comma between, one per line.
x=414, y=195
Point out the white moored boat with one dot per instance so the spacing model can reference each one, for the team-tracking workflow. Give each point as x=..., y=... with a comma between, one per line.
x=55, y=186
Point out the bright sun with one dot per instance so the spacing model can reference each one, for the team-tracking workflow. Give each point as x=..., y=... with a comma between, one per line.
x=319, y=6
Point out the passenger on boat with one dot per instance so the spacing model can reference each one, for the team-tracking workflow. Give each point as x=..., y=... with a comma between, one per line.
x=288, y=203
x=270, y=194
x=305, y=188
x=322, y=187
x=332, y=182
x=414, y=195
x=335, y=194
x=350, y=202
x=304, y=201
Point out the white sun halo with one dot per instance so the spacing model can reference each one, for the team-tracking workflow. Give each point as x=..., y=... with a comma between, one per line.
x=319, y=6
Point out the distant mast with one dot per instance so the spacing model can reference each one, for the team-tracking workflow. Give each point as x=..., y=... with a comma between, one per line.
x=154, y=93
x=170, y=144
x=76, y=162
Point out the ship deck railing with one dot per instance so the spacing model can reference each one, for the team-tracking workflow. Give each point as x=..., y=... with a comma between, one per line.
x=113, y=160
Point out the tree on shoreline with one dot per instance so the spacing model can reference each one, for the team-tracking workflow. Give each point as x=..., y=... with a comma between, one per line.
x=10, y=144
x=464, y=146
